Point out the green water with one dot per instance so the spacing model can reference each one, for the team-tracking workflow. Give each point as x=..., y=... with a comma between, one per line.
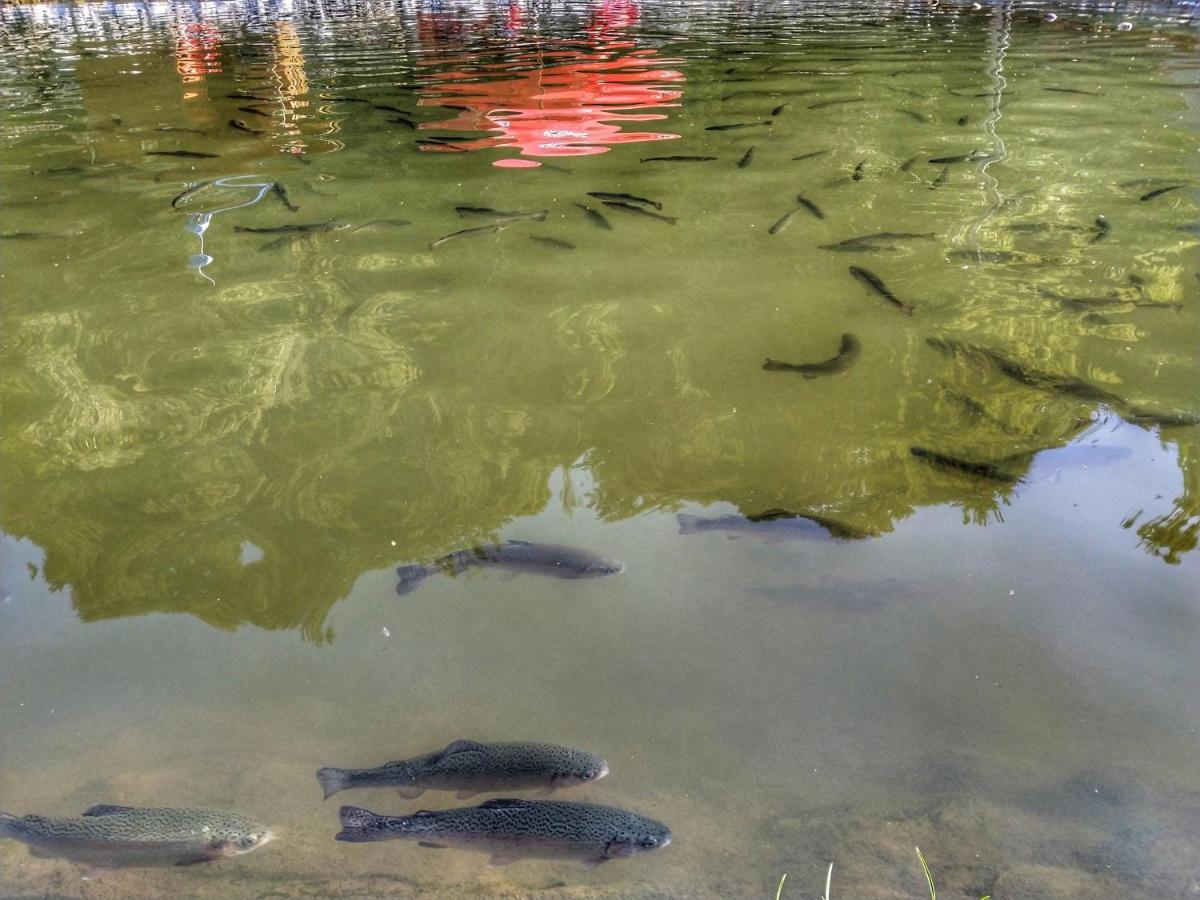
x=211, y=465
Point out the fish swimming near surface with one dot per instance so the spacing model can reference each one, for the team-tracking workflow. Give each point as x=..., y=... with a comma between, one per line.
x=278, y=189
x=470, y=768
x=500, y=215
x=783, y=222
x=779, y=109
x=678, y=158
x=556, y=243
x=186, y=154
x=511, y=829
x=239, y=125
x=468, y=232
x=961, y=157
x=746, y=159
x=595, y=217
x=346, y=99
x=438, y=142
x=867, y=242
x=638, y=210
x=392, y=109
x=942, y=178
x=774, y=525
x=1151, y=418
x=1102, y=230
x=908, y=164
x=823, y=103
x=255, y=112
x=847, y=354
x=1159, y=192
x=628, y=198
x=27, y=235
x=859, y=170
x=875, y=283
x=734, y=126
x=810, y=206
x=965, y=466
x=914, y=115
x=306, y=228
x=513, y=556
x=384, y=223
x=112, y=836
x=180, y=130
x=963, y=120
x=813, y=155
x=1063, y=90
x=243, y=95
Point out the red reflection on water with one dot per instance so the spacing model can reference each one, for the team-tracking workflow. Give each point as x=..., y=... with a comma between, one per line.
x=562, y=99
x=197, y=51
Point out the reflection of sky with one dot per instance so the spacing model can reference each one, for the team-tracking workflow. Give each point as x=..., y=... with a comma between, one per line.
x=561, y=99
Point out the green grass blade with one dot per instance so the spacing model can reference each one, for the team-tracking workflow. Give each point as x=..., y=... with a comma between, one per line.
x=779, y=890
x=928, y=875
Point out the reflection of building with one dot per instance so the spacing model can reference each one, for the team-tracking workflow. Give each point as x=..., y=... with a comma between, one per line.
x=559, y=99
x=197, y=50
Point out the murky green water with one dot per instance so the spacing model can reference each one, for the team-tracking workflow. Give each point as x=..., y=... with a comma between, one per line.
x=216, y=445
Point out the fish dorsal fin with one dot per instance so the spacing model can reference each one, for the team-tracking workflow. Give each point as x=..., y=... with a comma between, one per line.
x=504, y=803
x=461, y=747
x=106, y=809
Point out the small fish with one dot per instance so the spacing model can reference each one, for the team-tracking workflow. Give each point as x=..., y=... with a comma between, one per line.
x=513, y=556
x=875, y=283
x=346, y=99
x=515, y=829
x=810, y=206
x=736, y=125
x=1066, y=385
x=306, y=228
x=908, y=163
x=858, y=170
x=761, y=93
x=280, y=191
x=629, y=198
x=188, y=192
x=638, y=210
x=963, y=120
x=381, y=223
x=468, y=232
x=255, y=112
x=678, y=158
x=500, y=215
x=284, y=241
x=914, y=115
x=438, y=142
x=1063, y=90
x=552, y=242
x=180, y=130
x=1138, y=416
x=746, y=159
x=470, y=768
x=774, y=525
x=943, y=176
x=27, y=235
x=395, y=109
x=595, y=217
x=823, y=103
x=411, y=126
x=812, y=155
x=109, y=836
x=1159, y=192
x=980, y=469
x=961, y=157
x=242, y=126
x=780, y=108
x=187, y=154
x=784, y=222
x=844, y=359
x=243, y=95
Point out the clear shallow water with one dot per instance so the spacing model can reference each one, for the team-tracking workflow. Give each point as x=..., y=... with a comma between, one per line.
x=209, y=476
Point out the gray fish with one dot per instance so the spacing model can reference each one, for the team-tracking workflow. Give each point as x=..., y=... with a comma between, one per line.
x=556, y=243
x=968, y=467
x=629, y=198
x=943, y=176
x=382, y=223
x=875, y=283
x=633, y=208
x=810, y=206
x=107, y=835
x=242, y=126
x=783, y=222
x=961, y=157
x=1063, y=90
x=737, y=125
x=1102, y=230
x=500, y=215
x=346, y=99
x=27, y=235
x=1148, y=417
x=780, y=108
x=858, y=170
x=514, y=829
x=255, y=112
x=812, y=155
x=243, y=95
x=746, y=159
x=914, y=115
x=867, y=241
x=280, y=191
x=847, y=353
x=515, y=556
x=823, y=103
x=908, y=163
x=596, y=218
x=186, y=154
x=469, y=768
x=774, y=525
x=180, y=130
x=188, y=192
x=678, y=158
x=307, y=228
x=468, y=232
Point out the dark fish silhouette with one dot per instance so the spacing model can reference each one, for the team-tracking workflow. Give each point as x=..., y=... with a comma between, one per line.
x=469, y=768
x=844, y=359
x=966, y=466
x=823, y=103
x=868, y=241
x=1159, y=192
x=514, y=556
x=186, y=154
x=784, y=222
x=1102, y=230
x=242, y=126
x=746, y=159
x=678, y=158
x=812, y=155
x=468, y=232
x=255, y=112
x=596, y=218
x=941, y=179
x=774, y=525
x=858, y=171
x=914, y=115
x=307, y=228
x=638, y=210
x=280, y=191
x=242, y=95
x=515, y=829
x=736, y=125
x=1066, y=385
x=780, y=108
x=501, y=215
x=810, y=206
x=1063, y=90
x=629, y=198
x=875, y=283
x=556, y=243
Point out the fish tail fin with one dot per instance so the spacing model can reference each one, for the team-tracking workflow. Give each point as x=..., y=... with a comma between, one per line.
x=688, y=524
x=410, y=577
x=360, y=825
x=334, y=780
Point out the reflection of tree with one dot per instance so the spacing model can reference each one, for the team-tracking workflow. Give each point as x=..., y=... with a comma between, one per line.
x=1171, y=535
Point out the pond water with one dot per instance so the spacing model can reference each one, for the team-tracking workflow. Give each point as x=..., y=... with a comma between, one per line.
x=217, y=445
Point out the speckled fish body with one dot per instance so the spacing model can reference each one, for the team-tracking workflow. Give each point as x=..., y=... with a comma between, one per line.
x=118, y=836
x=514, y=556
x=469, y=767
x=515, y=829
